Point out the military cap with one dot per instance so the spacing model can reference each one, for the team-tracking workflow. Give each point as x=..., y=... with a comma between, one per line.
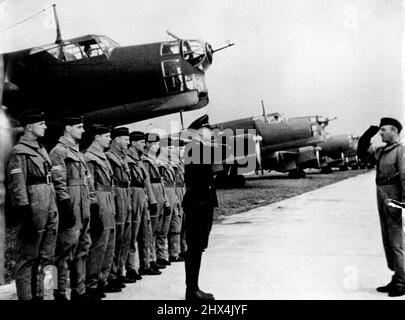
x=152, y=137
x=392, y=122
x=119, y=132
x=96, y=129
x=72, y=118
x=31, y=116
x=201, y=122
x=136, y=136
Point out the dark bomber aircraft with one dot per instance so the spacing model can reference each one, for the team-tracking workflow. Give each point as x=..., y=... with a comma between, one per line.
x=107, y=82
x=274, y=135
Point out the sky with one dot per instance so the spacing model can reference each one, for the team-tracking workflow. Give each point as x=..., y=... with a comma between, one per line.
x=336, y=58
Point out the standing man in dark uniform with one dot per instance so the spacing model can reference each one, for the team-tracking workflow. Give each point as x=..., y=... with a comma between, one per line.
x=390, y=181
x=34, y=201
x=143, y=204
x=199, y=202
x=123, y=207
x=102, y=215
x=69, y=173
x=151, y=163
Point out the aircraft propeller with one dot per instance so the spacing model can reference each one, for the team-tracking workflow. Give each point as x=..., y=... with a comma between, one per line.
x=258, y=139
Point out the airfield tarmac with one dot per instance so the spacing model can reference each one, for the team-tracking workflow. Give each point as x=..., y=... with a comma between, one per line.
x=323, y=244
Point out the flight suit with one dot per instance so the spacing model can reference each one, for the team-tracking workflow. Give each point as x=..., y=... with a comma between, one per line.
x=69, y=173
x=101, y=251
x=142, y=197
x=390, y=181
x=176, y=225
x=29, y=170
x=151, y=164
x=168, y=174
x=122, y=197
x=199, y=202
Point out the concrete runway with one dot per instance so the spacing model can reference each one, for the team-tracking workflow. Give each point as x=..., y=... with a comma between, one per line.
x=324, y=244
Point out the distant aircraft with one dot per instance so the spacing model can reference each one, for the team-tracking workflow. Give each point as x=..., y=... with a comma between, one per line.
x=339, y=151
x=107, y=82
x=275, y=137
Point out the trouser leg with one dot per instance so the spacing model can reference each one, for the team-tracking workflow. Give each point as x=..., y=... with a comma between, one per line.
x=108, y=257
x=174, y=232
x=145, y=240
x=66, y=244
x=78, y=269
x=382, y=212
x=27, y=255
x=96, y=258
x=46, y=252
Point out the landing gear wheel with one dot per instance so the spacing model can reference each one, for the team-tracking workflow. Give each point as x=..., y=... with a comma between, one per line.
x=326, y=170
x=296, y=174
x=237, y=181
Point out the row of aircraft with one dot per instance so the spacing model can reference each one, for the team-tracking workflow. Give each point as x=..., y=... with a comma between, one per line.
x=119, y=85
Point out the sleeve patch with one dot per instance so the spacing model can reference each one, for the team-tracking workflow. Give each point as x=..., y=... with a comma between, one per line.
x=14, y=171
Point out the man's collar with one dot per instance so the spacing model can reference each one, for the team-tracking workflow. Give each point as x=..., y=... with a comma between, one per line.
x=133, y=153
x=69, y=143
x=115, y=149
x=30, y=142
x=93, y=149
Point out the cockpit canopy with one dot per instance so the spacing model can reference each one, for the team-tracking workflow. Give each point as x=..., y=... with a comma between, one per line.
x=195, y=52
x=79, y=48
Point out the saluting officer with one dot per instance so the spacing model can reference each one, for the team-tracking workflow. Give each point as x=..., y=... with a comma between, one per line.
x=390, y=181
x=151, y=163
x=122, y=195
x=199, y=202
x=102, y=214
x=34, y=201
x=69, y=173
x=143, y=200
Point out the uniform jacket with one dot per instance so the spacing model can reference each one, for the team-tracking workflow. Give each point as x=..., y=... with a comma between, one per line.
x=199, y=178
x=122, y=182
x=140, y=173
x=152, y=167
x=391, y=165
x=100, y=184
x=70, y=176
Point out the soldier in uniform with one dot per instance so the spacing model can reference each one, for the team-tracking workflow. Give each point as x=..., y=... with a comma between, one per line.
x=122, y=195
x=390, y=181
x=34, y=202
x=69, y=173
x=199, y=202
x=152, y=166
x=176, y=225
x=168, y=174
x=102, y=215
x=143, y=204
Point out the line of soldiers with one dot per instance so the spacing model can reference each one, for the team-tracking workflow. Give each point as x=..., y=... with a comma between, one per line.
x=92, y=214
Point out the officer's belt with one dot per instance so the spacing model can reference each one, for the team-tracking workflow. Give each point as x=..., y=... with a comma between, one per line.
x=169, y=184
x=137, y=185
x=180, y=184
x=155, y=180
x=123, y=184
x=387, y=181
x=39, y=180
x=101, y=187
x=77, y=182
